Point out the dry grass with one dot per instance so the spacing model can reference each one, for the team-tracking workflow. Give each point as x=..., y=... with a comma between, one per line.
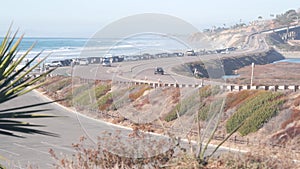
x=137, y=92
x=297, y=101
x=98, y=156
x=137, y=95
x=235, y=99
x=89, y=157
x=270, y=74
x=295, y=116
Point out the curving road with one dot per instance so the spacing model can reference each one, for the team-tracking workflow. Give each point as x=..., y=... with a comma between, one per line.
x=34, y=148
x=143, y=70
x=70, y=126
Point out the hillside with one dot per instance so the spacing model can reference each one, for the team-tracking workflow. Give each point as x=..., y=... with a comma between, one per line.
x=225, y=37
x=270, y=118
x=212, y=69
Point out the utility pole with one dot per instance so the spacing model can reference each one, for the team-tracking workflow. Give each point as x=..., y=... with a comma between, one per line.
x=252, y=72
x=287, y=32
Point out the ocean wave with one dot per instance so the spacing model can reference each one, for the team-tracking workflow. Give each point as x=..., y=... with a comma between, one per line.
x=72, y=48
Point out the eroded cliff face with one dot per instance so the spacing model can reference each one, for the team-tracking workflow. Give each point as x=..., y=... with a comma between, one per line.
x=211, y=69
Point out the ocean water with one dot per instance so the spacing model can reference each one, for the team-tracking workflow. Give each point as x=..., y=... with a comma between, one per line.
x=289, y=60
x=62, y=48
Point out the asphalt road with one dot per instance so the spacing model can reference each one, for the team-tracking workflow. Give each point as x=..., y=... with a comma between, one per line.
x=71, y=126
x=34, y=148
x=144, y=69
x=135, y=70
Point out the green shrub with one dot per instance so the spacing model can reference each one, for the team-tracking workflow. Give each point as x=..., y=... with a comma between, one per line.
x=172, y=115
x=206, y=111
x=120, y=98
x=137, y=91
x=207, y=91
x=105, y=102
x=254, y=112
x=60, y=84
x=191, y=101
x=101, y=90
x=203, y=113
x=83, y=99
x=235, y=99
x=80, y=89
x=85, y=94
x=182, y=107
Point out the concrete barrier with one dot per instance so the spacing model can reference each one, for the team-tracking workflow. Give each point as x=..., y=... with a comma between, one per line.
x=262, y=87
x=294, y=88
x=237, y=88
x=284, y=87
x=247, y=87
x=273, y=88
x=230, y=88
x=223, y=87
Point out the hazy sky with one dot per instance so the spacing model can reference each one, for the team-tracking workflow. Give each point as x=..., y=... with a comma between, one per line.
x=82, y=18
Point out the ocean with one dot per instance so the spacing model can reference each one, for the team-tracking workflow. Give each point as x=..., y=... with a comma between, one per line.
x=289, y=60
x=65, y=48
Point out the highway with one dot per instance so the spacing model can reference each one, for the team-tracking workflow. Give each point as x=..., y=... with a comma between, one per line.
x=143, y=70
x=34, y=148
x=70, y=126
x=135, y=70
x=280, y=29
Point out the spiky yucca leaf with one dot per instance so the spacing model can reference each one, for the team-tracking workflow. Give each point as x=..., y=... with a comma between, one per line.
x=14, y=83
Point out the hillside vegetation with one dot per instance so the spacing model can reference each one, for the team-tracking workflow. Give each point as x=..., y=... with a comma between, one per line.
x=271, y=116
x=252, y=108
x=254, y=112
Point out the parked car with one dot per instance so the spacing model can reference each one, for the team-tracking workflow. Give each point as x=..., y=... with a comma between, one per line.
x=106, y=62
x=55, y=63
x=66, y=62
x=159, y=70
x=83, y=61
x=190, y=53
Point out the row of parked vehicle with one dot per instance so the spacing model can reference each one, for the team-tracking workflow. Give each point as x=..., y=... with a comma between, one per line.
x=73, y=62
x=59, y=63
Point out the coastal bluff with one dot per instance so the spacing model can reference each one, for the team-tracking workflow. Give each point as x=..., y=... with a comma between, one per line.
x=216, y=68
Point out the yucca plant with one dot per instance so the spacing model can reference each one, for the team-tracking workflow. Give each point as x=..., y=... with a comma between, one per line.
x=211, y=127
x=14, y=83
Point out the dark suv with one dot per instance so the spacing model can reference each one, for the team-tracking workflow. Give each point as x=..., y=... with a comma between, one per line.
x=159, y=70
